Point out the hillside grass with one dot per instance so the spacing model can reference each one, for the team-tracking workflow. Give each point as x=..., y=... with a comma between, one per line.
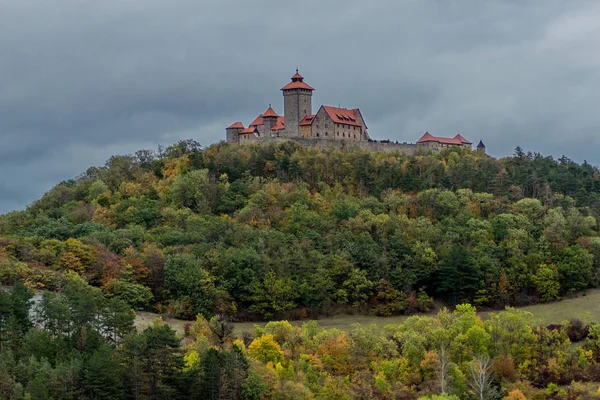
x=586, y=306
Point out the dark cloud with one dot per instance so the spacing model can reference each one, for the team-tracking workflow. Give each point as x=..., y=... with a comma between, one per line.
x=81, y=81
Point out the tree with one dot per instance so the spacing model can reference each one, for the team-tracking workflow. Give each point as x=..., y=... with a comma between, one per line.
x=546, y=282
x=221, y=328
x=131, y=293
x=271, y=295
x=101, y=378
x=190, y=189
x=265, y=349
x=575, y=269
x=458, y=277
x=480, y=376
x=186, y=280
x=222, y=374
x=153, y=356
x=117, y=320
x=14, y=314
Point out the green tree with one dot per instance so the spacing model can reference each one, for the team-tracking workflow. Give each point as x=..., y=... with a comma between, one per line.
x=547, y=282
x=153, y=356
x=271, y=295
x=575, y=269
x=134, y=294
x=186, y=280
x=101, y=377
x=458, y=277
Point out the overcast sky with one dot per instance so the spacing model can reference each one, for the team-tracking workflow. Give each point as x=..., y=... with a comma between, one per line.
x=81, y=80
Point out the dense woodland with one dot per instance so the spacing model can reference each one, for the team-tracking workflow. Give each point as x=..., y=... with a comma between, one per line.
x=79, y=343
x=270, y=232
x=284, y=231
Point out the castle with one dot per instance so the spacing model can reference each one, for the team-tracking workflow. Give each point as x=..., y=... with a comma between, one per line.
x=329, y=127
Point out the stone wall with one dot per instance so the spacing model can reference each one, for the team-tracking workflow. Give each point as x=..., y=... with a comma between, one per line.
x=329, y=144
x=325, y=144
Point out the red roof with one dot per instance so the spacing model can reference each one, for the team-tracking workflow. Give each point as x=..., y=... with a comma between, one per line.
x=297, y=85
x=237, y=125
x=270, y=113
x=462, y=139
x=279, y=125
x=308, y=120
x=248, y=130
x=257, y=121
x=343, y=115
x=458, y=139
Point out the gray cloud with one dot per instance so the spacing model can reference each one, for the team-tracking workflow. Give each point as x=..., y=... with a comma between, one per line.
x=81, y=81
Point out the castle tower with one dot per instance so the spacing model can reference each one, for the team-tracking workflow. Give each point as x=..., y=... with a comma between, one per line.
x=481, y=147
x=297, y=103
x=233, y=133
x=269, y=120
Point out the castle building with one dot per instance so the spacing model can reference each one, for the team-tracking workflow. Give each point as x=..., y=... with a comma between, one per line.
x=428, y=141
x=298, y=121
x=481, y=147
x=330, y=127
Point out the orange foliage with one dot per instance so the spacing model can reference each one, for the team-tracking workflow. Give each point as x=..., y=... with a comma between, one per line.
x=140, y=271
x=504, y=368
x=335, y=353
x=110, y=266
x=515, y=395
x=105, y=216
x=68, y=260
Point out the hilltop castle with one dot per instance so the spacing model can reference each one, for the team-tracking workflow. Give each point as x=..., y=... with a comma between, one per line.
x=328, y=127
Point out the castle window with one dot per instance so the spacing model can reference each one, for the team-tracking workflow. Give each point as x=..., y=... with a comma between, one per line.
x=338, y=133
x=344, y=134
x=317, y=134
x=326, y=133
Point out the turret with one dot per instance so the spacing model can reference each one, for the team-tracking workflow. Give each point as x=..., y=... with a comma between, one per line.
x=481, y=147
x=233, y=133
x=297, y=103
x=269, y=120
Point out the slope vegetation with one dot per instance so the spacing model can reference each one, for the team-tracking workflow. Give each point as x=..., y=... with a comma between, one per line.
x=287, y=232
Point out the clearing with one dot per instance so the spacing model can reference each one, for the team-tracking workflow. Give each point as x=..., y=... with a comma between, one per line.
x=585, y=307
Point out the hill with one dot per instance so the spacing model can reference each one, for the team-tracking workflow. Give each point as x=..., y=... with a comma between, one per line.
x=283, y=231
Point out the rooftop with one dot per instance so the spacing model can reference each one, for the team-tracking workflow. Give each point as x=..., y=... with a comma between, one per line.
x=236, y=125
x=248, y=130
x=297, y=83
x=457, y=140
x=270, y=113
x=342, y=115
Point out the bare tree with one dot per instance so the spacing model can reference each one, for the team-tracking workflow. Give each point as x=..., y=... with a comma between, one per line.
x=480, y=377
x=444, y=360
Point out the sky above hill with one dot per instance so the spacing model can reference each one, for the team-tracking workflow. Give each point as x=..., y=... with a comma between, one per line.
x=83, y=80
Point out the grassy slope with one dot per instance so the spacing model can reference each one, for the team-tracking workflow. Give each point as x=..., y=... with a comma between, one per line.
x=585, y=307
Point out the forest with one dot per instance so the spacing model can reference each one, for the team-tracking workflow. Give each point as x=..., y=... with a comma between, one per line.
x=250, y=233
x=80, y=343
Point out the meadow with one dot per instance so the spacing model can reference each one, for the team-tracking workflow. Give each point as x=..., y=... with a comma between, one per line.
x=586, y=306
